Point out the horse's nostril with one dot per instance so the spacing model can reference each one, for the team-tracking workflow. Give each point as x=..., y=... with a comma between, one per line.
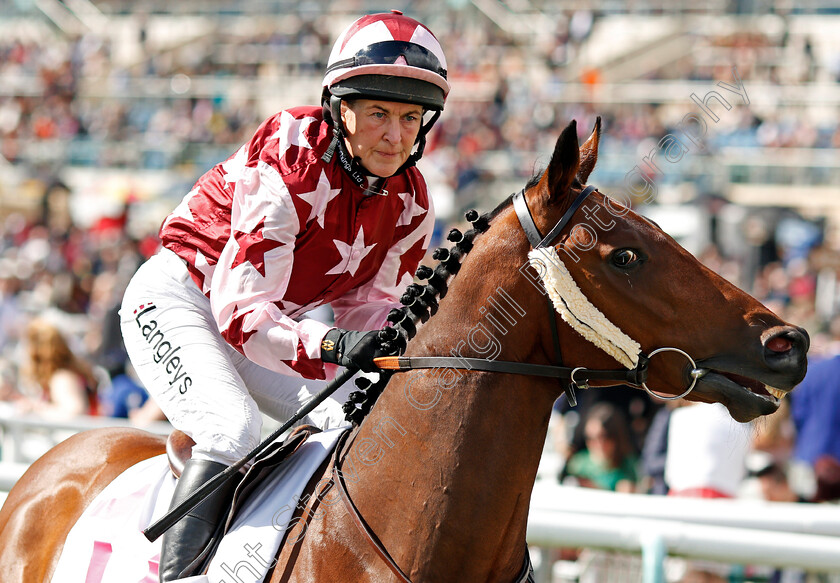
x=779, y=344
x=786, y=342
x=785, y=350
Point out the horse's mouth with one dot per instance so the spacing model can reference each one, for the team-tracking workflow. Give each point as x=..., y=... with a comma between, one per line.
x=745, y=398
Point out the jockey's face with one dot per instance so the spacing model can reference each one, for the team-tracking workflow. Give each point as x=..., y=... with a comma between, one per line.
x=381, y=133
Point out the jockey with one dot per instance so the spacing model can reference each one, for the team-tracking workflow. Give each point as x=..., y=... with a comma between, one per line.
x=322, y=206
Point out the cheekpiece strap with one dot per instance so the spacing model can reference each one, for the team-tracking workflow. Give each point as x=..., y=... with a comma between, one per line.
x=525, y=218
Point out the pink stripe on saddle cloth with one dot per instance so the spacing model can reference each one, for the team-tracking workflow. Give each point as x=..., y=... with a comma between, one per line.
x=101, y=555
x=107, y=545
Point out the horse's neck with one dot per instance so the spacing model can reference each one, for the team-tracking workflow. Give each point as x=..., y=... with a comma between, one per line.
x=447, y=472
x=452, y=481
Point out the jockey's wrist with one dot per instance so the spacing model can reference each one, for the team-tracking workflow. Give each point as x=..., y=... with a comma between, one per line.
x=330, y=345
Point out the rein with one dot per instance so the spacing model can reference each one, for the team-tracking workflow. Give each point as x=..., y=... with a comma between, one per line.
x=526, y=573
x=578, y=376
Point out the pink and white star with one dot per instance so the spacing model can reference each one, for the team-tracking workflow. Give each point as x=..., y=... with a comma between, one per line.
x=319, y=198
x=351, y=255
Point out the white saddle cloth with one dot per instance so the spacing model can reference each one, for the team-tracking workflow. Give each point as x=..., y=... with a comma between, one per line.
x=107, y=545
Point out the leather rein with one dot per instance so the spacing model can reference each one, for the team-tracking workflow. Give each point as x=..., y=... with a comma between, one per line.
x=526, y=573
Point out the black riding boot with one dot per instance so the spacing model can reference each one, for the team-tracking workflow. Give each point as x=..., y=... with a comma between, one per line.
x=185, y=541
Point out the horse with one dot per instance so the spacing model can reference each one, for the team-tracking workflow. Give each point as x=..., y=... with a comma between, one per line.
x=435, y=483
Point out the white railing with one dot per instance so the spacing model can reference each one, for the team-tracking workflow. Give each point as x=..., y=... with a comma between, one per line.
x=736, y=513
x=805, y=536
x=27, y=437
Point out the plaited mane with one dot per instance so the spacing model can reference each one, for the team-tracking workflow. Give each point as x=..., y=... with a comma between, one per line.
x=420, y=302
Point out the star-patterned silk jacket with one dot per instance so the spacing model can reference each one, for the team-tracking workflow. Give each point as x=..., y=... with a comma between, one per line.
x=274, y=232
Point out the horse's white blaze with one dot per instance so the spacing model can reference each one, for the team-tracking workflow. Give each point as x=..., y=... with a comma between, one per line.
x=577, y=311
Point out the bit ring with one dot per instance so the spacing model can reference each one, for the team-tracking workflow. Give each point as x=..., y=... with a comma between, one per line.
x=695, y=374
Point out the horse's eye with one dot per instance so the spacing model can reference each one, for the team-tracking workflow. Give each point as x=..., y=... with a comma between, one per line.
x=625, y=258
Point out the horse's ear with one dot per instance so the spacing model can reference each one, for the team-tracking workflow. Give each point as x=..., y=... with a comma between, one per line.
x=565, y=162
x=589, y=152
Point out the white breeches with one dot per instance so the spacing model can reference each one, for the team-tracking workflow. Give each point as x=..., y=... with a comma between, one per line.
x=204, y=386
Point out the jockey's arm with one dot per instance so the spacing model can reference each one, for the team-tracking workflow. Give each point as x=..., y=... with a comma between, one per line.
x=248, y=286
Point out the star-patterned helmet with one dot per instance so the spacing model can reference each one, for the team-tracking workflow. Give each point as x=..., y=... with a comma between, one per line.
x=390, y=57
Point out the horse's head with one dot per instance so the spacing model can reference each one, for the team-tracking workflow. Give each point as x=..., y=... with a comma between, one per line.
x=628, y=274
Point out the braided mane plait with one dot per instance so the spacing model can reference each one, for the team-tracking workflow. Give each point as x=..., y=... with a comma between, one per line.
x=420, y=302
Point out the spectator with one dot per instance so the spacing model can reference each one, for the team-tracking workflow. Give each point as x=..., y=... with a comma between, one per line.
x=775, y=486
x=776, y=435
x=64, y=384
x=635, y=406
x=655, y=451
x=707, y=452
x=706, y=458
x=815, y=409
x=772, y=477
x=609, y=460
x=827, y=477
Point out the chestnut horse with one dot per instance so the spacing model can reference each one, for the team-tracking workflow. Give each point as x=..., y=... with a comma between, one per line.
x=441, y=471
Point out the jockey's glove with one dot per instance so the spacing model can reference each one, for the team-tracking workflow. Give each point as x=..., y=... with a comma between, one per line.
x=353, y=349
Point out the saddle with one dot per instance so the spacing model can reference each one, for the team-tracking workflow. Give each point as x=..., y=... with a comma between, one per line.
x=179, y=446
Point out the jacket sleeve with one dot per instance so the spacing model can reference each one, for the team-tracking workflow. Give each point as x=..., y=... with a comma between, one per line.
x=253, y=272
x=366, y=307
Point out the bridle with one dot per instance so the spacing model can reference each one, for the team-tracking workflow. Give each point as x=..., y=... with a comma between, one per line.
x=637, y=376
x=575, y=377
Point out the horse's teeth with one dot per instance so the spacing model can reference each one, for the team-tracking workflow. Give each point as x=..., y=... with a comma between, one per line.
x=778, y=393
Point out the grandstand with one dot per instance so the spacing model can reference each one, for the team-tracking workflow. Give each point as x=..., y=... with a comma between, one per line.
x=171, y=88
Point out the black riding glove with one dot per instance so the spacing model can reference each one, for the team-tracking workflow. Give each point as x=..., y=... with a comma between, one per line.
x=353, y=349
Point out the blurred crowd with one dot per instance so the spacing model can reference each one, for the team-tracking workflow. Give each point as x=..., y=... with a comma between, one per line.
x=61, y=284
x=516, y=110
x=61, y=353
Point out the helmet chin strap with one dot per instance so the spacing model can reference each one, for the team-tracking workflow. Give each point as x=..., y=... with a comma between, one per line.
x=338, y=128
